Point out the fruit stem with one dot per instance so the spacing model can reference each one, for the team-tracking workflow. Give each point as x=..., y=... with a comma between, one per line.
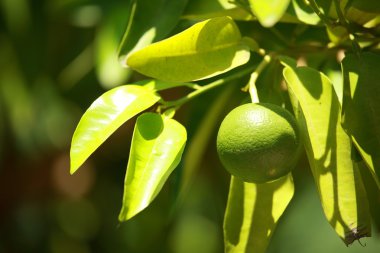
x=201, y=89
x=251, y=86
x=253, y=90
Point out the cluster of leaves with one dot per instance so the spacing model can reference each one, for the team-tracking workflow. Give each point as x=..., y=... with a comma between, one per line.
x=339, y=119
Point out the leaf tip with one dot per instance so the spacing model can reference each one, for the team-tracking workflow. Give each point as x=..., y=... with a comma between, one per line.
x=73, y=168
x=268, y=21
x=127, y=214
x=75, y=162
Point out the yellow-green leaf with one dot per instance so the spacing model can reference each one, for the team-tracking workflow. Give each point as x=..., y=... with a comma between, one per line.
x=268, y=12
x=156, y=150
x=303, y=12
x=105, y=116
x=204, y=50
x=252, y=213
x=328, y=148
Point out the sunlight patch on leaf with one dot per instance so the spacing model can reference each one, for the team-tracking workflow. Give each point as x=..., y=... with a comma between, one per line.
x=204, y=50
x=253, y=211
x=156, y=149
x=105, y=116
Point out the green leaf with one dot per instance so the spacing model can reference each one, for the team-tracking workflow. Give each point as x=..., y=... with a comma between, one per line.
x=204, y=50
x=336, y=78
x=156, y=149
x=328, y=148
x=372, y=6
x=373, y=192
x=337, y=34
x=268, y=12
x=367, y=19
x=159, y=85
x=303, y=12
x=252, y=213
x=287, y=61
x=201, y=9
x=361, y=106
x=146, y=23
x=105, y=116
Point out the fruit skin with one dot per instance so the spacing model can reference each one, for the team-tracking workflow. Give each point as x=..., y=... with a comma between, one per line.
x=259, y=142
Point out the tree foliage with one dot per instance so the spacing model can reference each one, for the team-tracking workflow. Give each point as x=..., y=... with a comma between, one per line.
x=283, y=52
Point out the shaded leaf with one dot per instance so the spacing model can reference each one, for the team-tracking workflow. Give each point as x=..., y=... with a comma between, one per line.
x=201, y=9
x=287, y=61
x=328, y=148
x=361, y=106
x=158, y=85
x=361, y=17
x=156, y=149
x=252, y=213
x=373, y=192
x=105, y=116
x=204, y=50
x=337, y=34
x=372, y=6
x=268, y=12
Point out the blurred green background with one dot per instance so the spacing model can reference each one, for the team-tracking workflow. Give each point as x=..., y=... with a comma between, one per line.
x=56, y=57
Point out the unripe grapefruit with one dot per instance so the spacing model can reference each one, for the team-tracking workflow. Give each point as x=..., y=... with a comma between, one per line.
x=259, y=142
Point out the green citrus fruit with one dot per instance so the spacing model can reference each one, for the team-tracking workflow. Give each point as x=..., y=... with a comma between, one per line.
x=258, y=142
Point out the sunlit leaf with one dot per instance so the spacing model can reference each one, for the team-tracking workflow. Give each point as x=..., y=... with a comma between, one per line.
x=336, y=78
x=204, y=50
x=303, y=12
x=105, y=116
x=268, y=12
x=361, y=106
x=146, y=23
x=156, y=149
x=253, y=211
x=328, y=148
